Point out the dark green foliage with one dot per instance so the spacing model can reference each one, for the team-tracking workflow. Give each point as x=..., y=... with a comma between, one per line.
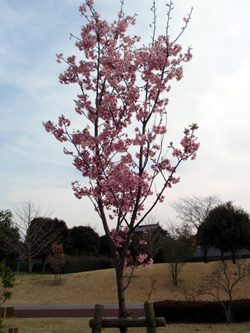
x=6, y=282
x=201, y=311
x=7, y=231
x=204, y=239
x=7, y=251
x=104, y=249
x=86, y=263
x=84, y=241
x=53, y=230
x=5, y=220
x=227, y=228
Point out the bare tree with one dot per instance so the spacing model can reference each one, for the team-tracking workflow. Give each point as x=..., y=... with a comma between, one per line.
x=32, y=240
x=179, y=249
x=221, y=281
x=194, y=210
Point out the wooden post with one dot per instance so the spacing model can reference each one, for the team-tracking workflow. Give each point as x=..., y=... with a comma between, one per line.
x=14, y=330
x=8, y=312
x=98, y=315
x=150, y=317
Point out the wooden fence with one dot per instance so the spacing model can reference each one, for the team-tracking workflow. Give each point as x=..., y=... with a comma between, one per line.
x=149, y=321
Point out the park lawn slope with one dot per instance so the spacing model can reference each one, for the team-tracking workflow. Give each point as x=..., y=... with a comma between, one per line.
x=100, y=286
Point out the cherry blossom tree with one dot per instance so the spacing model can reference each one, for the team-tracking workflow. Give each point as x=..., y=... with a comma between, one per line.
x=57, y=260
x=121, y=148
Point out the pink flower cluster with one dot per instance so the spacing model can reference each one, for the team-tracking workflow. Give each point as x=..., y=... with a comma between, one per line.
x=189, y=144
x=119, y=238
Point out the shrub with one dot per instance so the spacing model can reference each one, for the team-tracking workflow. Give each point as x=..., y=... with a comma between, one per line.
x=7, y=280
x=201, y=311
x=86, y=263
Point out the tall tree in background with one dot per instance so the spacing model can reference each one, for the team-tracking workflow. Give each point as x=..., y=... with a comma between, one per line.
x=121, y=148
x=204, y=239
x=50, y=230
x=193, y=211
x=84, y=241
x=32, y=240
x=7, y=231
x=5, y=220
x=228, y=228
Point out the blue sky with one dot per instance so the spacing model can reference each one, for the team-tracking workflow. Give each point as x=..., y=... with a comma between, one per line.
x=213, y=93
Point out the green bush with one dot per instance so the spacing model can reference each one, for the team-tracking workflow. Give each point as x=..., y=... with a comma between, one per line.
x=201, y=311
x=86, y=263
x=7, y=280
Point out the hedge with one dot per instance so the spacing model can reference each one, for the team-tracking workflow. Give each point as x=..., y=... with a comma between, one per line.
x=86, y=263
x=201, y=311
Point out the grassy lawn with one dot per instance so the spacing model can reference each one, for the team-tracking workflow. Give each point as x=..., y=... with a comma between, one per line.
x=81, y=325
x=100, y=287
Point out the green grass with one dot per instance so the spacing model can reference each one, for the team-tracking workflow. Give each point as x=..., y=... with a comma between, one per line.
x=82, y=326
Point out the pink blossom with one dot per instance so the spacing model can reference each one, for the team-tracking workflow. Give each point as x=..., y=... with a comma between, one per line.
x=90, y=2
x=142, y=257
x=49, y=126
x=83, y=8
x=148, y=263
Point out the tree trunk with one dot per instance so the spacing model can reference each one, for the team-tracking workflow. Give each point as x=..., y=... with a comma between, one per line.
x=121, y=297
x=228, y=312
x=233, y=256
x=205, y=252
x=175, y=273
x=222, y=255
x=30, y=265
x=175, y=281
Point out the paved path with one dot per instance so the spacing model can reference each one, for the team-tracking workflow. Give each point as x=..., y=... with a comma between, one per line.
x=72, y=310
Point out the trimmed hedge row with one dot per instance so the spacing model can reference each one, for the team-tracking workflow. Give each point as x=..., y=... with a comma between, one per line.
x=86, y=263
x=201, y=311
